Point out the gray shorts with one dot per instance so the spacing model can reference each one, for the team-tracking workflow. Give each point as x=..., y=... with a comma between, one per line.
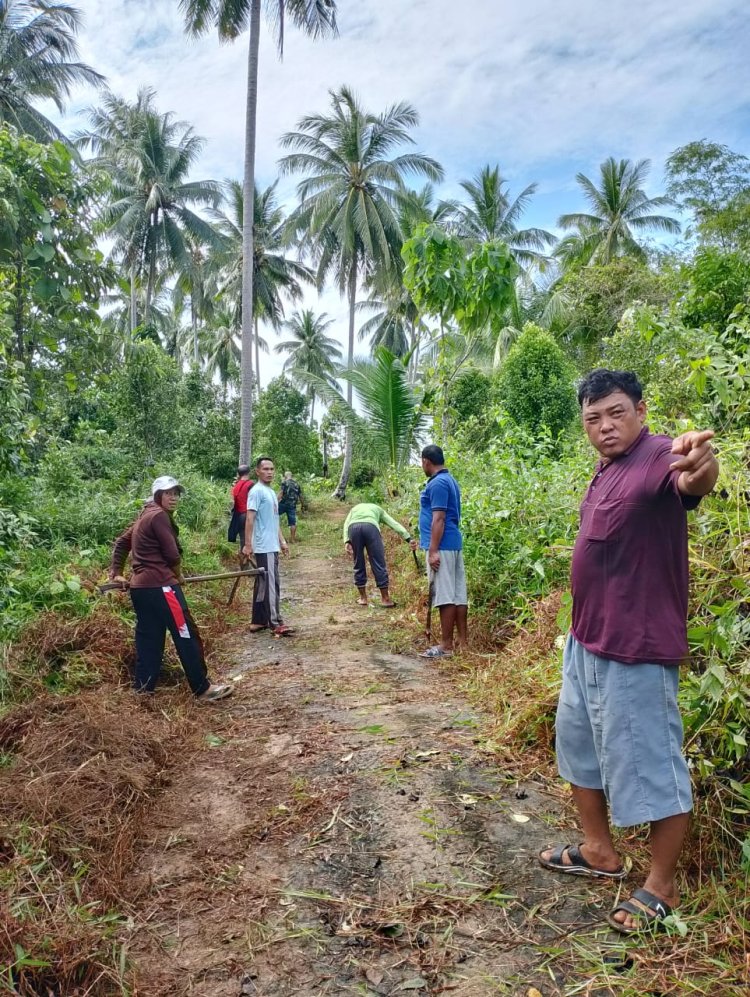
x=619, y=729
x=449, y=579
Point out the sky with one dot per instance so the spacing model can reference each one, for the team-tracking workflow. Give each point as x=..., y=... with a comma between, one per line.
x=543, y=88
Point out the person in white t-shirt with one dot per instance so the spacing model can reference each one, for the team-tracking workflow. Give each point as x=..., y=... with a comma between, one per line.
x=263, y=541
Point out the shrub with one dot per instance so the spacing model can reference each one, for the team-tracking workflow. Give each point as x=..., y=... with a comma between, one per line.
x=536, y=383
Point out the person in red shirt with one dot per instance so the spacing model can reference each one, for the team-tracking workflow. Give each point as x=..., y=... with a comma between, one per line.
x=156, y=594
x=240, y=491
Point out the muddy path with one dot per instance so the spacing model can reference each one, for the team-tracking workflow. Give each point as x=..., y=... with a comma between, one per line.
x=342, y=829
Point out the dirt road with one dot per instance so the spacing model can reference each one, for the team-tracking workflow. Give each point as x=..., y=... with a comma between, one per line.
x=342, y=829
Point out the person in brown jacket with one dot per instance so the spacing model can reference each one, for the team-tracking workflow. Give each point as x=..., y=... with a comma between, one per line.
x=156, y=593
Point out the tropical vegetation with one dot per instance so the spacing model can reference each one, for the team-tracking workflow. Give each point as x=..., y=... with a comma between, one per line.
x=135, y=301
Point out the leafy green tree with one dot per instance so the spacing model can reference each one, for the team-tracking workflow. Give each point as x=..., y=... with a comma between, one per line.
x=49, y=262
x=311, y=355
x=148, y=212
x=315, y=18
x=535, y=383
x=208, y=428
x=39, y=61
x=146, y=393
x=471, y=394
x=349, y=197
x=471, y=290
x=591, y=301
x=274, y=273
x=14, y=399
x=281, y=428
x=717, y=283
x=620, y=212
x=713, y=183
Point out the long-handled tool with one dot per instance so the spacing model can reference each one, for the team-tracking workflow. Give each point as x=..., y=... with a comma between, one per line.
x=417, y=565
x=244, y=561
x=430, y=600
x=114, y=586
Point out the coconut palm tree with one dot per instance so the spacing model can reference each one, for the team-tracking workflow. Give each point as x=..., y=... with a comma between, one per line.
x=38, y=53
x=196, y=282
x=311, y=355
x=620, y=211
x=224, y=352
x=491, y=214
x=349, y=197
x=274, y=273
x=231, y=17
x=148, y=210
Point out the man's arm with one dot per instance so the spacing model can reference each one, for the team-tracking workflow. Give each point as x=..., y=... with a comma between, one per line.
x=282, y=542
x=394, y=525
x=247, y=543
x=698, y=465
x=437, y=530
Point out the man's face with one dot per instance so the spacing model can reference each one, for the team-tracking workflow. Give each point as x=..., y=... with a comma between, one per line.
x=613, y=423
x=426, y=466
x=170, y=499
x=266, y=471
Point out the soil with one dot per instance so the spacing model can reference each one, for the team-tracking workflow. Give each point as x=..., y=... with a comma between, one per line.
x=343, y=828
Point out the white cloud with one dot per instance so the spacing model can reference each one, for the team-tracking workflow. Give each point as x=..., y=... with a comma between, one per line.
x=543, y=87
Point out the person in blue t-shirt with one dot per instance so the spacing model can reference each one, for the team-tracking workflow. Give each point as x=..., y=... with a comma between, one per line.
x=440, y=536
x=263, y=540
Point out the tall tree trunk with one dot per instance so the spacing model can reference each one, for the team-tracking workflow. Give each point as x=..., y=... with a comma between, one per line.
x=194, y=323
x=150, y=289
x=340, y=492
x=257, y=357
x=443, y=387
x=248, y=192
x=413, y=352
x=312, y=408
x=133, y=300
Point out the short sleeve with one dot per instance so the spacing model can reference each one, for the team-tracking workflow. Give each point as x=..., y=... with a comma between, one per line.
x=254, y=499
x=439, y=493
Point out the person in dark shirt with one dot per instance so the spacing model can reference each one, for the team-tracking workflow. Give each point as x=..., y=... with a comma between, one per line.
x=156, y=594
x=618, y=730
x=290, y=494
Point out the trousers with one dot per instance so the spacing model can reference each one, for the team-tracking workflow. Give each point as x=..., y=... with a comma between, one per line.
x=366, y=537
x=156, y=611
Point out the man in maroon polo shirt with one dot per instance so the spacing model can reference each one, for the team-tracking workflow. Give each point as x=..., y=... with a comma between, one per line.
x=618, y=729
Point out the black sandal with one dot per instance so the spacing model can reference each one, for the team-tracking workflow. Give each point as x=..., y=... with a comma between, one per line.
x=652, y=918
x=578, y=864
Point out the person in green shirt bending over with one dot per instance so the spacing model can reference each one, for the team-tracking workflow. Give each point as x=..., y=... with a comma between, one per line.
x=362, y=533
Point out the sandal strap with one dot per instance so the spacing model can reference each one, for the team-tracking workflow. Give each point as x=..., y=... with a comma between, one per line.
x=660, y=907
x=557, y=856
x=576, y=857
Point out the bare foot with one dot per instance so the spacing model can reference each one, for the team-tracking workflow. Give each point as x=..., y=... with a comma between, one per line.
x=361, y=602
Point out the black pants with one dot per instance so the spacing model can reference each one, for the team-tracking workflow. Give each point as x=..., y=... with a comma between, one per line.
x=366, y=537
x=158, y=610
x=267, y=592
